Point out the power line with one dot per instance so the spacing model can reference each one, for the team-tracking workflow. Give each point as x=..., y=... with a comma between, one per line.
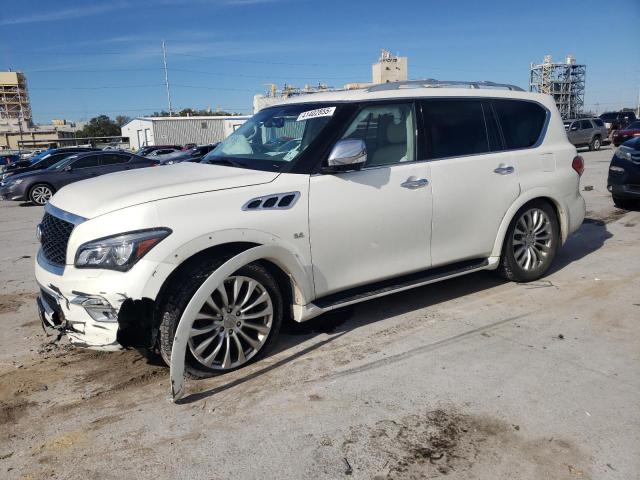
x=102, y=87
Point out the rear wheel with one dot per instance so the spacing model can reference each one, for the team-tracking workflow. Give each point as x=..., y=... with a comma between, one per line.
x=40, y=193
x=596, y=143
x=531, y=243
x=235, y=326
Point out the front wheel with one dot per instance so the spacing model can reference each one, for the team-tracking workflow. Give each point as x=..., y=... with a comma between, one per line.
x=531, y=243
x=235, y=326
x=40, y=194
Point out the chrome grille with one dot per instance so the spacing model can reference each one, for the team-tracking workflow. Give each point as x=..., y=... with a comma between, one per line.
x=54, y=236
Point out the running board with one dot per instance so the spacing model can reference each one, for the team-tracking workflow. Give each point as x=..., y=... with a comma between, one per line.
x=387, y=287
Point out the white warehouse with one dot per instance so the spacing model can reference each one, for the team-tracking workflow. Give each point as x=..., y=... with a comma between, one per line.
x=143, y=131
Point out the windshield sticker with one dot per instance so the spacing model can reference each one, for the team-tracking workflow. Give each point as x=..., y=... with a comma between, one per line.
x=319, y=112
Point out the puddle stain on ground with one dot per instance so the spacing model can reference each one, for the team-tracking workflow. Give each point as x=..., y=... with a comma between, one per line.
x=442, y=443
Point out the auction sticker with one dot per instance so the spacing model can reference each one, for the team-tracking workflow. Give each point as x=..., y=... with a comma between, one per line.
x=319, y=112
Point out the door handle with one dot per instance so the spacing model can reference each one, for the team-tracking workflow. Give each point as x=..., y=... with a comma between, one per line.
x=504, y=169
x=412, y=183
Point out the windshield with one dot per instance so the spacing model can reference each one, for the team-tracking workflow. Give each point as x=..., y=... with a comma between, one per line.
x=273, y=138
x=40, y=156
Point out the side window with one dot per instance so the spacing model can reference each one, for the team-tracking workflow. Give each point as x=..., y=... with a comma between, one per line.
x=388, y=131
x=521, y=122
x=85, y=162
x=493, y=131
x=598, y=122
x=455, y=128
x=114, y=159
x=585, y=124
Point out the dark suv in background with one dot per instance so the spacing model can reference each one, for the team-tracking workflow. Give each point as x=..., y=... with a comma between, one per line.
x=589, y=132
x=43, y=160
x=38, y=186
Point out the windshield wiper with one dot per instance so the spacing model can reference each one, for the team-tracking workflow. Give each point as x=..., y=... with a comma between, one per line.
x=225, y=161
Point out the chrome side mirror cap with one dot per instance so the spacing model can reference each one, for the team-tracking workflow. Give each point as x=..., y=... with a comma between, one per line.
x=346, y=155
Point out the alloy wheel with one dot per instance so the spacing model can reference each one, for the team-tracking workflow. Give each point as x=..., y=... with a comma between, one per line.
x=233, y=324
x=41, y=194
x=532, y=239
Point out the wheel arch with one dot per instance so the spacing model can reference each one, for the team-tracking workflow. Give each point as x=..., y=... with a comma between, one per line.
x=281, y=262
x=535, y=195
x=36, y=183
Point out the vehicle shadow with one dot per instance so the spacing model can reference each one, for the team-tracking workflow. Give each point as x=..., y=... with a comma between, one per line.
x=342, y=321
x=27, y=204
x=590, y=237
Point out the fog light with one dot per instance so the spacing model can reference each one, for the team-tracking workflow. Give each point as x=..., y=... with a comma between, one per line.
x=98, y=308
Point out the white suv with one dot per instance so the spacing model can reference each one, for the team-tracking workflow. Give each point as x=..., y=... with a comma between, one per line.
x=320, y=202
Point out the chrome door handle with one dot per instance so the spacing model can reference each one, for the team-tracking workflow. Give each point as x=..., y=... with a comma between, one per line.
x=412, y=183
x=504, y=169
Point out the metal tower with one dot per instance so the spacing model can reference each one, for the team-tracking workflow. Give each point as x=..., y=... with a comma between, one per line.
x=563, y=81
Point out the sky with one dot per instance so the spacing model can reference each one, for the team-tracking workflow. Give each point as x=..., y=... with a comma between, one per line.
x=84, y=58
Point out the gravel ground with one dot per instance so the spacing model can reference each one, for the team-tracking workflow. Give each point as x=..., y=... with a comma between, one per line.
x=469, y=378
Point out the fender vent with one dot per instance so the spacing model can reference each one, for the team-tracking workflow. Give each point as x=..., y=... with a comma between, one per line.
x=279, y=201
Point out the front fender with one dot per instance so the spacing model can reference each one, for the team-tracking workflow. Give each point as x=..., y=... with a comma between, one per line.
x=561, y=208
x=291, y=257
x=181, y=338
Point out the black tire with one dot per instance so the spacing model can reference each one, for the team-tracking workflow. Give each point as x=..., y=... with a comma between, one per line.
x=596, y=143
x=38, y=193
x=509, y=267
x=623, y=203
x=179, y=295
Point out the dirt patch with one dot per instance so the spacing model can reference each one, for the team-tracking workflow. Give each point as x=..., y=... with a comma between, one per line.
x=443, y=443
x=11, y=302
x=12, y=411
x=604, y=217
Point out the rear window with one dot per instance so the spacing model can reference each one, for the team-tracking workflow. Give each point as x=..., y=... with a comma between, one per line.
x=114, y=159
x=598, y=122
x=455, y=128
x=521, y=122
x=89, y=161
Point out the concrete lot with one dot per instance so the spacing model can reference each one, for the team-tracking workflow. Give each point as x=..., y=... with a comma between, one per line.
x=470, y=378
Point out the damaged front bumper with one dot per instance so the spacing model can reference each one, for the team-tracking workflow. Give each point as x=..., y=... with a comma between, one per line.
x=75, y=304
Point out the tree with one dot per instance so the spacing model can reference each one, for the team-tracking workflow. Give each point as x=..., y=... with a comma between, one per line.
x=122, y=120
x=100, y=126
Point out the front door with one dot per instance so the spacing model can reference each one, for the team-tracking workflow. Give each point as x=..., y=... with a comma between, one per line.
x=374, y=223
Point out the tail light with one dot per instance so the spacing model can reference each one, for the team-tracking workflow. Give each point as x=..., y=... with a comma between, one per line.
x=578, y=164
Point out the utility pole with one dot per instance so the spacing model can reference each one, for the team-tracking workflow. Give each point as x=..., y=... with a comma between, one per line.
x=166, y=77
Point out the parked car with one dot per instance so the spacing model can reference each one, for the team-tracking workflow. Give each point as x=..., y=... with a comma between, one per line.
x=624, y=175
x=44, y=160
x=161, y=152
x=38, y=186
x=617, y=120
x=144, y=151
x=585, y=132
x=630, y=131
x=194, y=154
x=8, y=159
x=382, y=194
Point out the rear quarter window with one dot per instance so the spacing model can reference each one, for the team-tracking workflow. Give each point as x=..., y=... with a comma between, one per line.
x=521, y=121
x=598, y=122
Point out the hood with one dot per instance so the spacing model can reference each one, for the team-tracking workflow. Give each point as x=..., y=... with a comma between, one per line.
x=633, y=143
x=97, y=196
x=20, y=173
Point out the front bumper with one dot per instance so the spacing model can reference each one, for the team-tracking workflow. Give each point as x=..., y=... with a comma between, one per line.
x=625, y=183
x=97, y=309
x=12, y=192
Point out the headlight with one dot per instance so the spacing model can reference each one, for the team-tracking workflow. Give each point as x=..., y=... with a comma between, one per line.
x=119, y=252
x=624, y=152
x=10, y=183
x=615, y=169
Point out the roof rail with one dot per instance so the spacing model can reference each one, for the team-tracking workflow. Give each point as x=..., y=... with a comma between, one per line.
x=432, y=83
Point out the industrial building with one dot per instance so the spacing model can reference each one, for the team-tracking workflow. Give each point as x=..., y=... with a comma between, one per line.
x=14, y=97
x=143, y=131
x=389, y=68
x=565, y=82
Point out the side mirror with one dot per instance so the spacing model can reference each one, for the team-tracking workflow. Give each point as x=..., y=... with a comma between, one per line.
x=68, y=168
x=574, y=128
x=346, y=155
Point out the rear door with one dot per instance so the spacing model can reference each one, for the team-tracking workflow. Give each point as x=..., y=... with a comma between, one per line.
x=586, y=131
x=474, y=180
